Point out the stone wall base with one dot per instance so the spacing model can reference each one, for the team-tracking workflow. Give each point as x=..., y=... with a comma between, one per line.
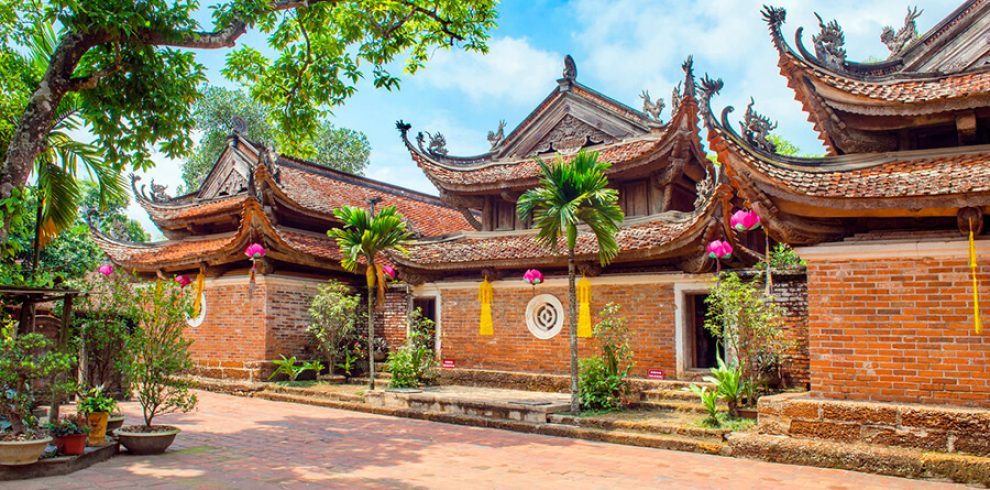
x=926, y=427
x=233, y=370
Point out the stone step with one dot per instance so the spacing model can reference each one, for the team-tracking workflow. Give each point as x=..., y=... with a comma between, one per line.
x=306, y=392
x=675, y=384
x=883, y=460
x=663, y=395
x=629, y=438
x=672, y=405
x=642, y=426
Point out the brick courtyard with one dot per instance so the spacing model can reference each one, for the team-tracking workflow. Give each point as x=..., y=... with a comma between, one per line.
x=246, y=443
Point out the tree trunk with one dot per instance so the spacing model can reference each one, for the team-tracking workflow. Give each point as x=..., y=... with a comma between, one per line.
x=31, y=134
x=371, y=337
x=572, y=302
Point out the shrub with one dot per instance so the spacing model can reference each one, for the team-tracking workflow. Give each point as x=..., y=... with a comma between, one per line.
x=728, y=383
x=750, y=325
x=159, y=352
x=709, y=399
x=782, y=257
x=68, y=425
x=335, y=316
x=414, y=363
x=96, y=401
x=603, y=378
x=25, y=359
x=292, y=368
x=102, y=319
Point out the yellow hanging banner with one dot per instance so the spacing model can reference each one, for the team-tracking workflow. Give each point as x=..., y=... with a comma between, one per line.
x=198, y=293
x=485, y=294
x=977, y=324
x=584, y=308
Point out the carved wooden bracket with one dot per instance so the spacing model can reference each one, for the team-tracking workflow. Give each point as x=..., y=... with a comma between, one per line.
x=968, y=215
x=590, y=269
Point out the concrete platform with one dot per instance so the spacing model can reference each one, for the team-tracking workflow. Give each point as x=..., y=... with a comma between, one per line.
x=61, y=465
x=526, y=406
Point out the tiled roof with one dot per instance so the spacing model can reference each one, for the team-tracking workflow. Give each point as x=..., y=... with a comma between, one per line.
x=163, y=254
x=323, y=192
x=163, y=212
x=503, y=172
x=315, y=244
x=657, y=236
x=923, y=173
x=905, y=91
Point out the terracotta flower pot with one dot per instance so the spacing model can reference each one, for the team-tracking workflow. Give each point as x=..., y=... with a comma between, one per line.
x=73, y=445
x=22, y=452
x=97, y=428
x=141, y=443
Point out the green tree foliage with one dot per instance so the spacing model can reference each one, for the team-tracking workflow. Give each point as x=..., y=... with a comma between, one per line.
x=134, y=65
x=570, y=194
x=158, y=352
x=335, y=315
x=339, y=148
x=363, y=237
x=603, y=377
x=750, y=326
x=25, y=359
x=414, y=363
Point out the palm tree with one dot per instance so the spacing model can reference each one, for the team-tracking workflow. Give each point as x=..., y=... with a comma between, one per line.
x=59, y=166
x=363, y=236
x=569, y=195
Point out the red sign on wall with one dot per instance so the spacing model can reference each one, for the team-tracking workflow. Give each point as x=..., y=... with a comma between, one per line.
x=447, y=363
x=655, y=374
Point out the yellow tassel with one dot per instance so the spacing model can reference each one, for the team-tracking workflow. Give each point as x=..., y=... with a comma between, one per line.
x=198, y=293
x=485, y=294
x=584, y=308
x=977, y=324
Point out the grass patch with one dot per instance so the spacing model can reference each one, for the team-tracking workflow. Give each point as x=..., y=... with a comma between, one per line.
x=196, y=450
x=724, y=422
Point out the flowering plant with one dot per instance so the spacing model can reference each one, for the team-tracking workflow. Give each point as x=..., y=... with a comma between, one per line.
x=533, y=277
x=744, y=220
x=719, y=250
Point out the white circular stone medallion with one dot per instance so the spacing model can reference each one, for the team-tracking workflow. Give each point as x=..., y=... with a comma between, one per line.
x=198, y=320
x=544, y=316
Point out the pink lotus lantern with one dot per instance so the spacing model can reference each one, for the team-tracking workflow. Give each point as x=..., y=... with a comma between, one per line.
x=719, y=250
x=389, y=273
x=533, y=277
x=255, y=251
x=744, y=220
x=183, y=280
x=105, y=269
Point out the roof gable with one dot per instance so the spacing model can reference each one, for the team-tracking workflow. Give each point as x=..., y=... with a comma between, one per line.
x=957, y=43
x=571, y=117
x=231, y=175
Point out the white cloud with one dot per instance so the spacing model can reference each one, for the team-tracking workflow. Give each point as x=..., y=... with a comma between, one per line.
x=513, y=71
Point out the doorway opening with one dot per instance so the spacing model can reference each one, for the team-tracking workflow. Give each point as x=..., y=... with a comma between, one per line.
x=702, y=345
x=428, y=311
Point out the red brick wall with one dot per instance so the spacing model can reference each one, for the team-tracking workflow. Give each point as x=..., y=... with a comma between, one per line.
x=648, y=308
x=287, y=319
x=790, y=292
x=231, y=341
x=393, y=321
x=898, y=329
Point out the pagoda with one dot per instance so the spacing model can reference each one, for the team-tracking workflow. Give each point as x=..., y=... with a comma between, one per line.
x=674, y=206
x=255, y=195
x=891, y=219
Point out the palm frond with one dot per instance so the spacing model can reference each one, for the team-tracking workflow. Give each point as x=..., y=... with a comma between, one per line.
x=363, y=236
x=60, y=195
x=570, y=194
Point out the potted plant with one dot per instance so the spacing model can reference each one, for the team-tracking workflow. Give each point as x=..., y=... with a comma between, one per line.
x=97, y=407
x=115, y=421
x=24, y=359
x=69, y=432
x=159, y=354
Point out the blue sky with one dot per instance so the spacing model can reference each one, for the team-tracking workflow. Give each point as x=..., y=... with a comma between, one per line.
x=621, y=48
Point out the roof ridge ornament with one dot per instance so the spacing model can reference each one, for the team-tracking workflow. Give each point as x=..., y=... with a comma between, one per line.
x=570, y=69
x=775, y=17
x=437, y=145
x=650, y=107
x=675, y=97
x=830, y=43
x=756, y=129
x=896, y=42
x=709, y=88
x=158, y=192
x=238, y=125
x=496, y=137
